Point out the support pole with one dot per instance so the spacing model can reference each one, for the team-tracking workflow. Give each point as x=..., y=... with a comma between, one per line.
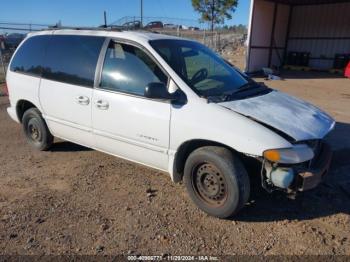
x=105, y=18
x=141, y=3
x=272, y=40
x=250, y=33
x=290, y=17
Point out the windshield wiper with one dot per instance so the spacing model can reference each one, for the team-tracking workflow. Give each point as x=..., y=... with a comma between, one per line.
x=216, y=98
x=227, y=96
x=247, y=86
x=256, y=87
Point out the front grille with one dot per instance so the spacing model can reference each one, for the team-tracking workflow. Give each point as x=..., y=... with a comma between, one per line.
x=315, y=145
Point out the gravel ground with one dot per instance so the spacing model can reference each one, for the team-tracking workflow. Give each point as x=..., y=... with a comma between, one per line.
x=73, y=200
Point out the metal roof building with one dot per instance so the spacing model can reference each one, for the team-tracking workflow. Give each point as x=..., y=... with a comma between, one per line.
x=320, y=28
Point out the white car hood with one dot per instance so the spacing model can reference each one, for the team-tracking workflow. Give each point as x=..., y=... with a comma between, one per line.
x=294, y=117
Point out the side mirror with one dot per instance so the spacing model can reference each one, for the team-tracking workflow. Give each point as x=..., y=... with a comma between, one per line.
x=159, y=91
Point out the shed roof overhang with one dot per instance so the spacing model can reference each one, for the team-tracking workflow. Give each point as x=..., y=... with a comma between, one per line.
x=308, y=2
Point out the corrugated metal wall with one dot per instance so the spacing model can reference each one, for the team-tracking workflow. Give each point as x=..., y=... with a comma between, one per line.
x=323, y=30
x=318, y=23
x=261, y=26
x=280, y=34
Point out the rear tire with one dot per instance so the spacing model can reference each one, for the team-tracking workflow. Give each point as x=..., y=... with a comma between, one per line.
x=216, y=181
x=36, y=131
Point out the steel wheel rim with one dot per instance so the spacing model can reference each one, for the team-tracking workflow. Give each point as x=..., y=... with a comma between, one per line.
x=33, y=131
x=209, y=184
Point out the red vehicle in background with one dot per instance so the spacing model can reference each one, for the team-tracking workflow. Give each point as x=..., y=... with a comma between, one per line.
x=347, y=70
x=155, y=24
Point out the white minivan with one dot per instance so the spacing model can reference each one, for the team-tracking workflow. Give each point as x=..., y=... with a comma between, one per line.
x=170, y=104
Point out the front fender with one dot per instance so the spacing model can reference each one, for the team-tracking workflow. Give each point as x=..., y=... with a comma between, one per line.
x=213, y=124
x=200, y=120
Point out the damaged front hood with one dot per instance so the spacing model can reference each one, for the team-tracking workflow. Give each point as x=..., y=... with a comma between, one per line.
x=294, y=117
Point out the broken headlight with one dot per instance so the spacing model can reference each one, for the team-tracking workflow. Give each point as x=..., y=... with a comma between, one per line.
x=297, y=154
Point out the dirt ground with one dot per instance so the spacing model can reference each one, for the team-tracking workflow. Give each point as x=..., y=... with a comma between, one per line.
x=72, y=200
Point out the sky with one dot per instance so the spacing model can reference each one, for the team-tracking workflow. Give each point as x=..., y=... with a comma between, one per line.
x=90, y=12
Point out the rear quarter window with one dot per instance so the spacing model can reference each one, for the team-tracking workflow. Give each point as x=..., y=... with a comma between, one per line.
x=72, y=59
x=29, y=57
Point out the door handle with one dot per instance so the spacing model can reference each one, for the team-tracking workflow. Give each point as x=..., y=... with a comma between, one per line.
x=82, y=100
x=103, y=105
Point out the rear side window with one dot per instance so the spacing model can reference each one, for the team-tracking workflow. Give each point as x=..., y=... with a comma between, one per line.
x=72, y=59
x=29, y=57
x=129, y=69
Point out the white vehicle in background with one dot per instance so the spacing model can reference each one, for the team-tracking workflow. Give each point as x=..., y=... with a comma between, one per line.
x=170, y=26
x=183, y=27
x=194, y=28
x=171, y=104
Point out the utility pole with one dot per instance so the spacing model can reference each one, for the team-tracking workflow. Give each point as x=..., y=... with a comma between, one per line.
x=212, y=15
x=141, y=3
x=105, y=18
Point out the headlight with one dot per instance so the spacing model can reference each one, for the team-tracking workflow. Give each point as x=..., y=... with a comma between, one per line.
x=294, y=155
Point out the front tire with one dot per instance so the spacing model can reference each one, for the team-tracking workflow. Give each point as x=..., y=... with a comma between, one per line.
x=36, y=131
x=216, y=181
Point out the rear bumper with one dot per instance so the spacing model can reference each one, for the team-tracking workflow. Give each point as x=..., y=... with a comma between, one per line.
x=13, y=114
x=311, y=177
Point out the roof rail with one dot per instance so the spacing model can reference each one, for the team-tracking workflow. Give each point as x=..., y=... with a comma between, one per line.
x=100, y=28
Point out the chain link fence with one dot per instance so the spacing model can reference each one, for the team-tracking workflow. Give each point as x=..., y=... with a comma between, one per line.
x=230, y=45
x=224, y=42
x=5, y=56
x=6, y=52
x=220, y=40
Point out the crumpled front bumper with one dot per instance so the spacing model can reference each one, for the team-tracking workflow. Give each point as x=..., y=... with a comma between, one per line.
x=312, y=176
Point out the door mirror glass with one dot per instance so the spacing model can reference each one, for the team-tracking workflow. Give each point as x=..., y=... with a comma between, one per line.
x=159, y=90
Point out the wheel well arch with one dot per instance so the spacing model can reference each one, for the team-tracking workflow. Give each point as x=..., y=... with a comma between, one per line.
x=186, y=149
x=22, y=106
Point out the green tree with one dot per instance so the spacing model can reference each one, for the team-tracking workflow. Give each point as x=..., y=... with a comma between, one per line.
x=242, y=29
x=215, y=11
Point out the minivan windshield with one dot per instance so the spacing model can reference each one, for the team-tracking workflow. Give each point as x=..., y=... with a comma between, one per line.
x=202, y=69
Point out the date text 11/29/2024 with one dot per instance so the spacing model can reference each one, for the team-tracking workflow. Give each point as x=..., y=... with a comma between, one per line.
x=172, y=258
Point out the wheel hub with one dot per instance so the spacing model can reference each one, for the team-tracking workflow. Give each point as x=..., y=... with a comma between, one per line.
x=209, y=184
x=34, y=132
